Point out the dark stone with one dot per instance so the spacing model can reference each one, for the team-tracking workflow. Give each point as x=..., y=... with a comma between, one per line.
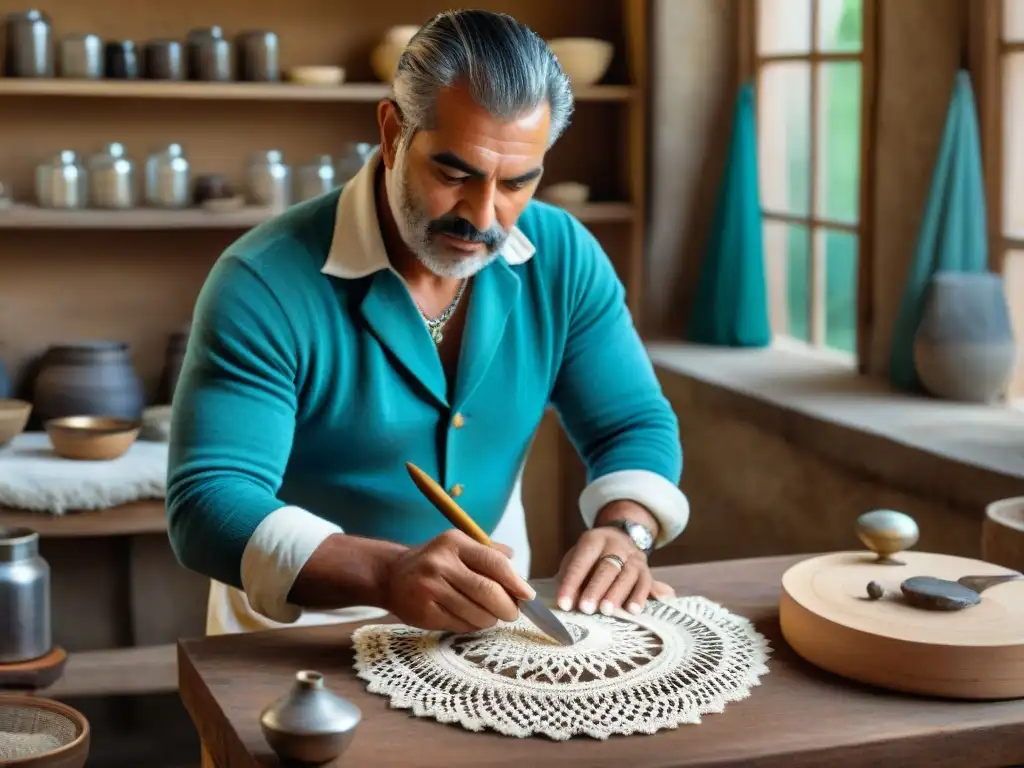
x=938, y=594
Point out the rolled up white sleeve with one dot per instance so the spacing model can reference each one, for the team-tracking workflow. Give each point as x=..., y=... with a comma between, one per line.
x=274, y=555
x=663, y=499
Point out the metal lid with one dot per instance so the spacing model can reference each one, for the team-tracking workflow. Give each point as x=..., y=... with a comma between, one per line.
x=18, y=544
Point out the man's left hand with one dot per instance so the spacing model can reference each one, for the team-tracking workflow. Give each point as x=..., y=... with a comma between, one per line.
x=589, y=580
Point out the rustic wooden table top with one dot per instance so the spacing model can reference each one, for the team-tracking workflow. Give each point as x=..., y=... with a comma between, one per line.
x=798, y=716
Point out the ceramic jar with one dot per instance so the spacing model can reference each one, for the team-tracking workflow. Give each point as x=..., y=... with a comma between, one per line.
x=90, y=378
x=964, y=347
x=385, y=55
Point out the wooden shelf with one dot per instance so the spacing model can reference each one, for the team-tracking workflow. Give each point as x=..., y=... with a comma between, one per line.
x=31, y=217
x=138, y=517
x=118, y=672
x=159, y=89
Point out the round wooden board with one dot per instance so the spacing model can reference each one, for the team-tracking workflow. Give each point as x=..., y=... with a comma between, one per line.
x=975, y=653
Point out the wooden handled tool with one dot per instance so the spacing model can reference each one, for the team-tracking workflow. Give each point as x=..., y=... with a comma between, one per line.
x=534, y=610
x=446, y=505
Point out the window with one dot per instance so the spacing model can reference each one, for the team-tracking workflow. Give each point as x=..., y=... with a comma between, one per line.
x=809, y=66
x=1008, y=249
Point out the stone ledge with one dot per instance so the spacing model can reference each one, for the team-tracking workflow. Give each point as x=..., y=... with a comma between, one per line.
x=969, y=455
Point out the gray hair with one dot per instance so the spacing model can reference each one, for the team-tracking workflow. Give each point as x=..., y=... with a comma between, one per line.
x=508, y=68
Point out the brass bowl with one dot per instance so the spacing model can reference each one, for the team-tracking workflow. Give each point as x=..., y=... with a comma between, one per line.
x=92, y=438
x=13, y=418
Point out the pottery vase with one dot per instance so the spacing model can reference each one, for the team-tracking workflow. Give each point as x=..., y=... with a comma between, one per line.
x=964, y=348
x=309, y=724
x=90, y=378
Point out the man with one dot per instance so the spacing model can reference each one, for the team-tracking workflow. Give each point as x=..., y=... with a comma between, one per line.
x=429, y=312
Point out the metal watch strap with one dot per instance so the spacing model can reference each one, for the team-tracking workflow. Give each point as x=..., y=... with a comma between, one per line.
x=629, y=528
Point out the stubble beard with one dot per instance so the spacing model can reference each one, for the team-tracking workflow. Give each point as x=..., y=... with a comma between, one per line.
x=413, y=222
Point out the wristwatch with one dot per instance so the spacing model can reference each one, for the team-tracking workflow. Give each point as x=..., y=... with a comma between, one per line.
x=640, y=535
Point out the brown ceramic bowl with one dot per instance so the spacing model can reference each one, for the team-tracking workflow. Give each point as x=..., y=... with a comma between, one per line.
x=13, y=418
x=52, y=734
x=92, y=438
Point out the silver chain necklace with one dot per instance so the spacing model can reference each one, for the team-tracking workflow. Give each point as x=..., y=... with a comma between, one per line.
x=436, y=325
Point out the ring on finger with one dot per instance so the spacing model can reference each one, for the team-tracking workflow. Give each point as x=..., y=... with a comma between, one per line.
x=615, y=560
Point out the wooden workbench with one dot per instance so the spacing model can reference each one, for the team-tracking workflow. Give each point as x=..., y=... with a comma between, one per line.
x=798, y=717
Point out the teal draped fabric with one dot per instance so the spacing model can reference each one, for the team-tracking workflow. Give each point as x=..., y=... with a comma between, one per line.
x=731, y=304
x=953, y=235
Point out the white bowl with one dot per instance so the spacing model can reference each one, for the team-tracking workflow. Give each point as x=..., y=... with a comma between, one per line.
x=565, y=193
x=584, y=59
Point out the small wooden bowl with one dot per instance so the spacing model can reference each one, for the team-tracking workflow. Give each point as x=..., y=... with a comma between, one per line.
x=92, y=438
x=317, y=75
x=13, y=418
x=32, y=717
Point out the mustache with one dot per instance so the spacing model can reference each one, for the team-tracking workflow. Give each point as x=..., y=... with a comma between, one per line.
x=456, y=226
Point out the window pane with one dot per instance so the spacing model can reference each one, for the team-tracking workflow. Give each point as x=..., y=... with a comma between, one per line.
x=787, y=267
x=1013, y=144
x=1013, y=275
x=838, y=165
x=1013, y=20
x=840, y=25
x=840, y=264
x=783, y=26
x=784, y=125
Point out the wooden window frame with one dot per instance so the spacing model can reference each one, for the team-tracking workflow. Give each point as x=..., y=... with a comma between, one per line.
x=987, y=52
x=750, y=64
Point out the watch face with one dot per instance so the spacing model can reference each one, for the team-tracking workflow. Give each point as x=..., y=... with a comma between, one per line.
x=641, y=536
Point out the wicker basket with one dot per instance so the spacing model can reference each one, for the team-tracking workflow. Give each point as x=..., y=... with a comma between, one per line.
x=41, y=733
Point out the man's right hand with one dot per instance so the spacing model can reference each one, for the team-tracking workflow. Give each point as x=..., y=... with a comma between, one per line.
x=453, y=583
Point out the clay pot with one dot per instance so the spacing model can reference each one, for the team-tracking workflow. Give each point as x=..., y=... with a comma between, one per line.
x=89, y=378
x=964, y=348
x=385, y=55
x=177, y=343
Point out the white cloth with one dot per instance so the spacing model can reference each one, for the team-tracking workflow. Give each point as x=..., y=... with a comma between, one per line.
x=33, y=477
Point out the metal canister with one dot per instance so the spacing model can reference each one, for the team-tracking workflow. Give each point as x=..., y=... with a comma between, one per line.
x=268, y=180
x=25, y=631
x=81, y=56
x=314, y=179
x=61, y=182
x=28, y=45
x=111, y=178
x=163, y=60
x=257, y=53
x=167, y=178
x=209, y=55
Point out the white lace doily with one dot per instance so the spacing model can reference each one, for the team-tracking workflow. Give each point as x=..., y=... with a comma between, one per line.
x=680, y=659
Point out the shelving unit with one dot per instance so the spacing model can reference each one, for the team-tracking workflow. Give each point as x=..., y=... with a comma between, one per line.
x=30, y=217
x=147, y=89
